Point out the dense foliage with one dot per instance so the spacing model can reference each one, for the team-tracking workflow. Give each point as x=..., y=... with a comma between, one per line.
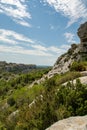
x=36, y=108
x=78, y=66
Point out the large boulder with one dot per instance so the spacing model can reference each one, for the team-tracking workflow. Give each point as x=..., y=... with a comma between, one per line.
x=72, y=123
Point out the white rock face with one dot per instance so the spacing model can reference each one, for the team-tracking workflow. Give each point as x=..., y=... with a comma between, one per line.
x=83, y=80
x=72, y=123
x=75, y=53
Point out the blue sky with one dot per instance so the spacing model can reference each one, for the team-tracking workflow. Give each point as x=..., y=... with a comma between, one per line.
x=38, y=31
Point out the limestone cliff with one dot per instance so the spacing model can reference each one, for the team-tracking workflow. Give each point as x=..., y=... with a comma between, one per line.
x=82, y=33
x=16, y=68
x=77, y=52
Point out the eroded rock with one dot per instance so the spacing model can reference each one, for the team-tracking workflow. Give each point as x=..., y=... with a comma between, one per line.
x=77, y=52
x=82, y=32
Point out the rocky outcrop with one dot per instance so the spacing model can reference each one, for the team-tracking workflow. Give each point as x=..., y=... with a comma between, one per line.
x=64, y=62
x=72, y=123
x=82, y=32
x=83, y=80
x=77, y=52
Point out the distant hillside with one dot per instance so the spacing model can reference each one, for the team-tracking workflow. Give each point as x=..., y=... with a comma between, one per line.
x=16, y=68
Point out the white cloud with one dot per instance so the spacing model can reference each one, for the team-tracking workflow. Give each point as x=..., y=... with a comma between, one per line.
x=22, y=55
x=24, y=23
x=13, y=37
x=39, y=47
x=21, y=50
x=72, y=9
x=18, y=43
x=55, y=49
x=13, y=42
x=66, y=47
x=69, y=37
x=16, y=9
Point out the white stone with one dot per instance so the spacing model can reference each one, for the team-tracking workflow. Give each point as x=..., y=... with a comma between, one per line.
x=72, y=123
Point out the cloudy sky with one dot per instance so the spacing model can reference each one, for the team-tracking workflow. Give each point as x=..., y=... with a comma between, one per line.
x=38, y=31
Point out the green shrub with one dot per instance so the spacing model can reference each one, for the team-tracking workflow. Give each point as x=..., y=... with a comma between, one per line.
x=11, y=101
x=67, y=77
x=77, y=66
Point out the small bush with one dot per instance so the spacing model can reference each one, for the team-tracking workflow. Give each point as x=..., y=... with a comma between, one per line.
x=67, y=77
x=77, y=66
x=11, y=101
